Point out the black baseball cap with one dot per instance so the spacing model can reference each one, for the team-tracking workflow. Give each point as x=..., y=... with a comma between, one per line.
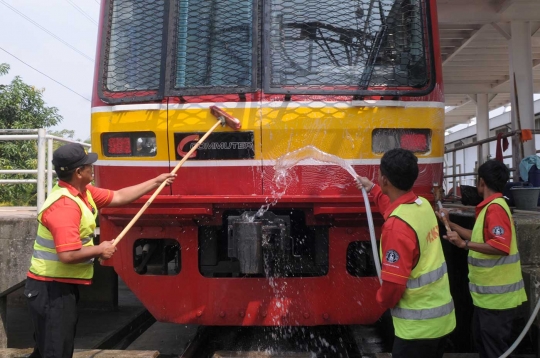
x=71, y=156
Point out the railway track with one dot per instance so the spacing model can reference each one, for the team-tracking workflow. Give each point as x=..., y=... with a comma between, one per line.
x=287, y=342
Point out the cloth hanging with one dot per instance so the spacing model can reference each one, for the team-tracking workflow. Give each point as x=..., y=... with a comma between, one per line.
x=502, y=146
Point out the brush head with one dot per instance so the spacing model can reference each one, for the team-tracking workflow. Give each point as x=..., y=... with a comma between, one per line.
x=225, y=118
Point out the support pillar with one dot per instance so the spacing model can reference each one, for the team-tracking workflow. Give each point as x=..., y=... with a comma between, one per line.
x=482, y=124
x=516, y=144
x=3, y=321
x=521, y=66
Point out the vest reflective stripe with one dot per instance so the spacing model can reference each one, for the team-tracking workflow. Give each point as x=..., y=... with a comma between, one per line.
x=50, y=256
x=45, y=261
x=497, y=289
x=86, y=240
x=45, y=255
x=495, y=281
x=504, y=260
x=41, y=241
x=428, y=278
x=429, y=313
x=426, y=309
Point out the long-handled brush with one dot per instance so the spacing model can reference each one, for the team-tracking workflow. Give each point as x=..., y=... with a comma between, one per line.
x=223, y=119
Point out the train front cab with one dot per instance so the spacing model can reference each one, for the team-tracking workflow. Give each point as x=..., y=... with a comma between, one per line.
x=232, y=242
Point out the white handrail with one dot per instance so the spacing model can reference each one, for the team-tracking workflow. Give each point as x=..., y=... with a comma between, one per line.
x=44, y=170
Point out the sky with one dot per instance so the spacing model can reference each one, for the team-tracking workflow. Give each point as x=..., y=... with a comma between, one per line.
x=73, y=25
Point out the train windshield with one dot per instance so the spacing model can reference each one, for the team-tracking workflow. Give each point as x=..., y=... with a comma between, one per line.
x=279, y=46
x=348, y=44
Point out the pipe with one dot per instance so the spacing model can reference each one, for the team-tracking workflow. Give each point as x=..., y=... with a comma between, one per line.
x=372, y=234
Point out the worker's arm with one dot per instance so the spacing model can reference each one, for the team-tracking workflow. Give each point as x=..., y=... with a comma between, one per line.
x=389, y=294
x=63, y=219
x=132, y=193
x=104, y=251
x=487, y=249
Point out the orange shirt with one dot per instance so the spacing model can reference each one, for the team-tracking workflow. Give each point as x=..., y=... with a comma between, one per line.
x=400, y=250
x=497, y=226
x=63, y=219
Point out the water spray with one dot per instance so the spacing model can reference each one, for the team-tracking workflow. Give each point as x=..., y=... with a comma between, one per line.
x=312, y=153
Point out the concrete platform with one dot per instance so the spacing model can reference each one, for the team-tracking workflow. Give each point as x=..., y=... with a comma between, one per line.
x=95, y=326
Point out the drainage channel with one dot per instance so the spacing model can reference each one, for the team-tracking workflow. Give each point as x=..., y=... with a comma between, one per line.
x=124, y=336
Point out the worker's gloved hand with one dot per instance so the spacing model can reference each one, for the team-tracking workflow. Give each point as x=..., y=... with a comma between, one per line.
x=363, y=182
x=169, y=177
x=107, y=250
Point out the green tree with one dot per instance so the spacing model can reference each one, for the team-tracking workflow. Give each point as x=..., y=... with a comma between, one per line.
x=21, y=107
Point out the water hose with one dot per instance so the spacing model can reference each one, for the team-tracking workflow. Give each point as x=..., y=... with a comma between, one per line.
x=372, y=234
x=310, y=152
x=525, y=330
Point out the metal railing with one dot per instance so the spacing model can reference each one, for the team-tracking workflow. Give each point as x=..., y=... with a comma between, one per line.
x=45, y=148
x=480, y=155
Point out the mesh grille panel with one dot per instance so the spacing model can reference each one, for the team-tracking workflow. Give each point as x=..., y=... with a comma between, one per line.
x=308, y=47
x=352, y=44
x=132, y=58
x=214, y=44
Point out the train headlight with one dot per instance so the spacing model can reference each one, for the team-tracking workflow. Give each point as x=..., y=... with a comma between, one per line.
x=129, y=144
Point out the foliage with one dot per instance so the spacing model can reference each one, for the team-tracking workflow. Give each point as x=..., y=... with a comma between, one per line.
x=21, y=107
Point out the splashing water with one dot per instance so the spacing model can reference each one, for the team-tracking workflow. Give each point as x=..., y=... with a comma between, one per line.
x=285, y=162
x=283, y=179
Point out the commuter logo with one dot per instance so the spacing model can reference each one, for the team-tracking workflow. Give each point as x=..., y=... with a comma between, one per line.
x=219, y=145
x=498, y=231
x=392, y=256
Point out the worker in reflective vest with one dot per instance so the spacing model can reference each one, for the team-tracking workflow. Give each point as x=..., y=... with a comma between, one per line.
x=495, y=280
x=415, y=281
x=64, y=250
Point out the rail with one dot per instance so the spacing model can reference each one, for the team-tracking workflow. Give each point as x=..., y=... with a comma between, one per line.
x=478, y=144
x=45, y=148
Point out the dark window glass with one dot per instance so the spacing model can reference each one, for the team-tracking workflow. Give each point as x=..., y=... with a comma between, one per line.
x=214, y=44
x=354, y=44
x=132, y=58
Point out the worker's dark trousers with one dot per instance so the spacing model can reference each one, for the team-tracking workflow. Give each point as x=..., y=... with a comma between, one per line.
x=53, y=307
x=495, y=330
x=416, y=348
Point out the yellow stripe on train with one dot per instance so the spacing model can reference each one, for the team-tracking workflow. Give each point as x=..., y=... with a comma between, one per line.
x=343, y=131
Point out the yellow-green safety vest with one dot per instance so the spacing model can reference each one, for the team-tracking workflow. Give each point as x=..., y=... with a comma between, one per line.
x=426, y=309
x=495, y=281
x=45, y=261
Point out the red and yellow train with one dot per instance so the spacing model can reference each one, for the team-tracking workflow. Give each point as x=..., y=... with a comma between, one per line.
x=351, y=78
